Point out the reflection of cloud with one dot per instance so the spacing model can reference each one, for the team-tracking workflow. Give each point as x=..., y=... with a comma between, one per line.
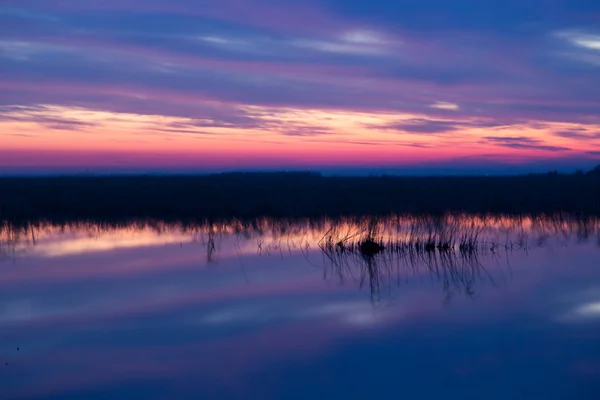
x=106, y=243
x=17, y=311
x=582, y=312
x=238, y=314
x=588, y=310
x=358, y=313
x=352, y=313
x=22, y=311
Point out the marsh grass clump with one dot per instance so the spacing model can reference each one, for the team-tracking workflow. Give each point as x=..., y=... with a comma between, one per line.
x=377, y=253
x=421, y=235
x=369, y=247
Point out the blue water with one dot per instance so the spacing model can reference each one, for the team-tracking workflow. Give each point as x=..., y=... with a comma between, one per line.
x=140, y=313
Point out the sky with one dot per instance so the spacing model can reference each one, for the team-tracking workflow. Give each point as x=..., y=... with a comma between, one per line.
x=330, y=85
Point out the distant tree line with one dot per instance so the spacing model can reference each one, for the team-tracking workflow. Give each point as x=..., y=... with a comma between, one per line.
x=579, y=172
x=252, y=195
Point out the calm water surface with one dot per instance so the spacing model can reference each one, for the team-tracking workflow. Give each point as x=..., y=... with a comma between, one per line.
x=510, y=309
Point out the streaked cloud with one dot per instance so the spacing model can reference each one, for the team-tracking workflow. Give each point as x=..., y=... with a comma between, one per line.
x=23, y=13
x=524, y=143
x=422, y=125
x=580, y=39
x=356, y=42
x=331, y=76
x=364, y=37
x=443, y=105
x=578, y=134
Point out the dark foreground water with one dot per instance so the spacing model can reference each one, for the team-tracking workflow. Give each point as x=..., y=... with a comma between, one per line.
x=506, y=309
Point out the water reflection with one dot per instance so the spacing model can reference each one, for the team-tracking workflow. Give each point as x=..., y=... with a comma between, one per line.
x=326, y=308
x=372, y=252
x=278, y=234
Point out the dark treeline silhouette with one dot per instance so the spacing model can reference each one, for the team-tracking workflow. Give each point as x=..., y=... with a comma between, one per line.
x=251, y=195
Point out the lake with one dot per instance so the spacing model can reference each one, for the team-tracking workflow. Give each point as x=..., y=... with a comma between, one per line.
x=463, y=306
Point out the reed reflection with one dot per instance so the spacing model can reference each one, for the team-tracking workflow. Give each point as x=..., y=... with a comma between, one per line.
x=454, y=250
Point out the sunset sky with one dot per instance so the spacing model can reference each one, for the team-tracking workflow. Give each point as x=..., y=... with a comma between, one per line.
x=332, y=85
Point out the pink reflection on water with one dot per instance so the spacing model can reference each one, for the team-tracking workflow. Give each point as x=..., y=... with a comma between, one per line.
x=221, y=324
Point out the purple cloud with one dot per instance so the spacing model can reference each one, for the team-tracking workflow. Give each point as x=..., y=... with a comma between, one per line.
x=523, y=143
x=577, y=134
x=418, y=125
x=503, y=63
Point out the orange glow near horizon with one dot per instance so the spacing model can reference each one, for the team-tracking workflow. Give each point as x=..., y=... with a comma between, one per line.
x=78, y=137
